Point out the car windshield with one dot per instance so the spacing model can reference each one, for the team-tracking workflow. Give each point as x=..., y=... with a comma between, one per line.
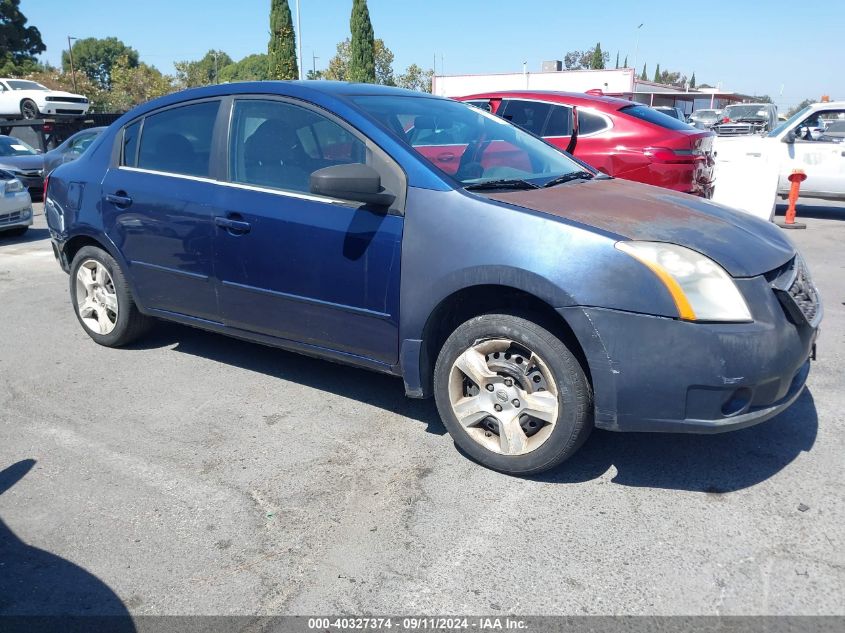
x=19, y=84
x=469, y=144
x=746, y=112
x=704, y=114
x=798, y=116
x=651, y=115
x=10, y=146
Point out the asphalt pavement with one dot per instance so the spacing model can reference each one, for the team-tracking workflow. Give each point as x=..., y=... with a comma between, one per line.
x=196, y=474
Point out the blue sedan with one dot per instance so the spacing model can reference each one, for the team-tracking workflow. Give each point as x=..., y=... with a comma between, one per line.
x=531, y=296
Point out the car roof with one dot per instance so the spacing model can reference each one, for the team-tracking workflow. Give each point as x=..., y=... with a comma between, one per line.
x=579, y=98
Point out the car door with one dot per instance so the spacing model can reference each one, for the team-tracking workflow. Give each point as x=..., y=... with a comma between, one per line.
x=158, y=206
x=300, y=266
x=821, y=157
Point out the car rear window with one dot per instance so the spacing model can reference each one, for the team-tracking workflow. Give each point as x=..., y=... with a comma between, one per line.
x=654, y=117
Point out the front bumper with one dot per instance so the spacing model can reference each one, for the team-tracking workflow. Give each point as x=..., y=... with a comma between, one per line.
x=63, y=108
x=657, y=374
x=13, y=219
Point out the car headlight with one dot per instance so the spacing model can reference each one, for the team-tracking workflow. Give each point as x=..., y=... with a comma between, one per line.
x=14, y=186
x=26, y=213
x=701, y=289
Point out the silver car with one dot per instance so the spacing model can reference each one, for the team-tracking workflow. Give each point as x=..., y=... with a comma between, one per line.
x=15, y=206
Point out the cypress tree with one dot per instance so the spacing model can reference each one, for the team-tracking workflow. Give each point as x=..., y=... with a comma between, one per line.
x=626, y=62
x=617, y=59
x=281, y=51
x=597, y=61
x=692, y=80
x=362, y=62
x=644, y=76
x=657, y=74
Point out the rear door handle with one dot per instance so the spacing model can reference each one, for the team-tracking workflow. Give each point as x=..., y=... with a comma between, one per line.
x=236, y=227
x=119, y=199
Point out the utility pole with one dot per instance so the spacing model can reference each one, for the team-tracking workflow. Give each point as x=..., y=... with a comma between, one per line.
x=314, y=59
x=216, y=80
x=299, y=38
x=637, y=52
x=70, y=54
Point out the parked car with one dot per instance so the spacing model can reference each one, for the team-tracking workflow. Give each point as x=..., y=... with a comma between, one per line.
x=747, y=118
x=15, y=206
x=530, y=295
x=705, y=119
x=810, y=140
x=24, y=161
x=618, y=137
x=71, y=149
x=674, y=112
x=29, y=100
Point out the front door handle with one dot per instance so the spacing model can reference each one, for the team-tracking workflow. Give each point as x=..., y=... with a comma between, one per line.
x=119, y=199
x=235, y=227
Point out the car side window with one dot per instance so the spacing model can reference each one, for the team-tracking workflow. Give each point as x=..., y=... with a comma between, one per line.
x=560, y=122
x=529, y=115
x=279, y=145
x=178, y=140
x=589, y=123
x=826, y=126
x=81, y=143
x=129, y=150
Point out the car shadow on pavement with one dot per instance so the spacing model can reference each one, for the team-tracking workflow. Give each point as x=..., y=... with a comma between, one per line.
x=714, y=464
x=32, y=235
x=40, y=591
x=380, y=390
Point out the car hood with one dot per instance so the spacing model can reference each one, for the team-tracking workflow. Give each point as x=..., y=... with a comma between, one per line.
x=742, y=244
x=59, y=93
x=23, y=162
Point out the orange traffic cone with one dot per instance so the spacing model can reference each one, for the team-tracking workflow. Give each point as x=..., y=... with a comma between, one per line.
x=796, y=178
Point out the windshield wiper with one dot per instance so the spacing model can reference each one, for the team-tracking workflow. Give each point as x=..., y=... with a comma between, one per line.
x=575, y=175
x=503, y=183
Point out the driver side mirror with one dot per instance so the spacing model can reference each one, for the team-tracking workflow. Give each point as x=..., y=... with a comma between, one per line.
x=356, y=182
x=789, y=137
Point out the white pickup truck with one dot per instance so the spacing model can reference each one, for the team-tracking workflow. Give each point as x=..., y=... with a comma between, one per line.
x=811, y=140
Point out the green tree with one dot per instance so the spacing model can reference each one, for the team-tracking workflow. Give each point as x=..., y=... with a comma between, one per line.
x=134, y=85
x=251, y=68
x=338, y=69
x=692, y=81
x=362, y=63
x=657, y=74
x=314, y=75
x=19, y=43
x=203, y=72
x=282, y=47
x=597, y=59
x=95, y=58
x=644, y=76
x=617, y=59
x=55, y=79
x=800, y=106
x=625, y=65
x=415, y=78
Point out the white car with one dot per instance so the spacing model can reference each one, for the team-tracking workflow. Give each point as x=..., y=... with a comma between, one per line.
x=30, y=100
x=15, y=206
x=810, y=140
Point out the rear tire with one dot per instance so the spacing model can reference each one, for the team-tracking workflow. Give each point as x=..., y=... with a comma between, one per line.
x=29, y=109
x=102, y=300
x=512, y=395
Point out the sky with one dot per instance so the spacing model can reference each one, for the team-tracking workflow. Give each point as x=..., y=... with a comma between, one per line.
x=752, y=47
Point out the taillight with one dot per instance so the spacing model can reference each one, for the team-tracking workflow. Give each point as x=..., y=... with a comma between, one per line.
x=669, y=155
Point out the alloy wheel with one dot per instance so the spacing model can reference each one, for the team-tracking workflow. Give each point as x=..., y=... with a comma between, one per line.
x=96, y=297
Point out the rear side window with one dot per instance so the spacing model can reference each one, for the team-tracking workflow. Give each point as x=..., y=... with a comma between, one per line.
x=560, y=122
x=529, y=115
x=589, y=123
x=129, y=151
x=178, y=140
x=654, y=117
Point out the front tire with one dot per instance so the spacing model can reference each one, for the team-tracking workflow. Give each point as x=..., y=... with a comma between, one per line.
x=29, y=109
x=512, y=395
x=102, y=300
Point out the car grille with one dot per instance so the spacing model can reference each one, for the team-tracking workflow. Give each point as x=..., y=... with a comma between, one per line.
x=67, y=111
x=798, y=294
x=67, y=99
x=10, y=218
x=736, y=129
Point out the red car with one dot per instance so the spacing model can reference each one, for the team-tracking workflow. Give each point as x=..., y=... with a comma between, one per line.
x=618, y=137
